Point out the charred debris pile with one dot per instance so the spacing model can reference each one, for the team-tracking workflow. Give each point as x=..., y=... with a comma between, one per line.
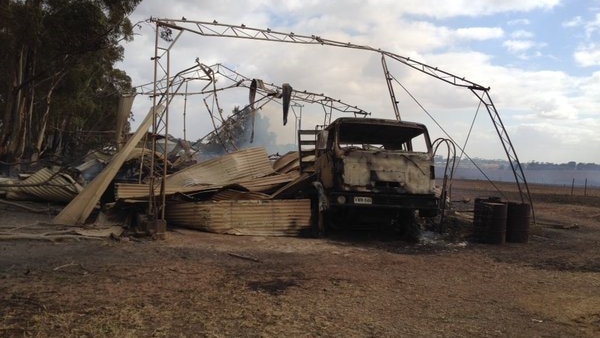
x=243, y=192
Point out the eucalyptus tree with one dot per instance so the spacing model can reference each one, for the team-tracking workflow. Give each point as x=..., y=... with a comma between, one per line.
x=58, y=84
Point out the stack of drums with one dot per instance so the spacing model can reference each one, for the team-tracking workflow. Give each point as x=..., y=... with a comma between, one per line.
x=497, y=222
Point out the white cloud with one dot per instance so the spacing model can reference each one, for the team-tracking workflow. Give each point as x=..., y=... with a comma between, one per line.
x=544, y=101
x=446, y=9
x=522, y=22
x=574, y=22
x=592, y=26
x=554, y=108
x=479, y=33
x=518, y=46
x=522, y=48
x=553, y=141
x=588, y=56
x=521, y=34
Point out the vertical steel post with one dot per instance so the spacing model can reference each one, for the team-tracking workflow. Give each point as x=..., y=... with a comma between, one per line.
x=388, y=80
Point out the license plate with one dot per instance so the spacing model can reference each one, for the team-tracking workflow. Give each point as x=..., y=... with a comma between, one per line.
x=363, y=200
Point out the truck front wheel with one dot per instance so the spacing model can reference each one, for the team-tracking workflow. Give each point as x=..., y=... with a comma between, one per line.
x=407, y=226
x=317, y=219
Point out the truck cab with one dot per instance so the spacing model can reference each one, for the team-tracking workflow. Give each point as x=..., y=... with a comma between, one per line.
x=374, y=171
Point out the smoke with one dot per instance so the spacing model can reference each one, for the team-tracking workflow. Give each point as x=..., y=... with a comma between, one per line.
x=244, y=128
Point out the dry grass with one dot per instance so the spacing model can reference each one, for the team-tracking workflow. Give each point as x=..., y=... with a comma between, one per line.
x=195, y=284
x=539, y=193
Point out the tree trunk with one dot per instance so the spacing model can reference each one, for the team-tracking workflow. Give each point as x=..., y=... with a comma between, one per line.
x=43, y=124
x=58, y=149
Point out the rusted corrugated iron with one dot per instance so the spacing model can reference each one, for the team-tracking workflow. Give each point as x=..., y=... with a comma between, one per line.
x=47, y=185
x=289, y=162
x=282, y=164
x=260, y=184
x=249, y=168
x=268, y=183
x=244, y=164
x=291, y=189
x=229, y=194
x=125, y=191
x=247, y=217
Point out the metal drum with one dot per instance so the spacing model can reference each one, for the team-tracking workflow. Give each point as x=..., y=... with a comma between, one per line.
x=489, y=220
x=479, y=231
x=494, y=215
x=517, y=222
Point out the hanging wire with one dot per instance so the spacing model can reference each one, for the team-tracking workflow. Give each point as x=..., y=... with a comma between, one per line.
x=446, y=193
x=449, y=137
x=212, y=119
x=469, y=133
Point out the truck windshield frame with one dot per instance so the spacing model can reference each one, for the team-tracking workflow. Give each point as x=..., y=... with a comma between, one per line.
x=373, y=136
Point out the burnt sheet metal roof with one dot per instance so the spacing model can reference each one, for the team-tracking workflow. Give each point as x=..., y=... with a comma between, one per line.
x=230, y=195
x=287, y=162
x=246, y=163
x=46, y=184
x=250, y=169
x=124, y=191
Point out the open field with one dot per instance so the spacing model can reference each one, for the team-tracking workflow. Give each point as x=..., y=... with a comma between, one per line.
x=346, y=285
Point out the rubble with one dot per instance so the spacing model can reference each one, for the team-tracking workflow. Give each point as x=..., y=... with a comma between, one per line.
x=47, y=184
x=80, y=208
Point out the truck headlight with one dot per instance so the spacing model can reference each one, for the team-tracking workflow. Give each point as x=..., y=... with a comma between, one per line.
x=341, y=199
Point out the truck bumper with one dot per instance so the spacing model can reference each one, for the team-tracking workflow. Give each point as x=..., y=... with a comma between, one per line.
x=383, y=201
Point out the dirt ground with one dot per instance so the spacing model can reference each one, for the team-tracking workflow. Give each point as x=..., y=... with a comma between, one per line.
x=349, y=284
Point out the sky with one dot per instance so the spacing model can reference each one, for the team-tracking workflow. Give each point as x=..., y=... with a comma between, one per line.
x=540, y=58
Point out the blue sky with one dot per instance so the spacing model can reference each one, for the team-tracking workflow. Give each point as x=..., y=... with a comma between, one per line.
x=539, y=39
x=541, y=59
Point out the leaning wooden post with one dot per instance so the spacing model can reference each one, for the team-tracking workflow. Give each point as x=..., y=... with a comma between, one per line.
x=82, y=205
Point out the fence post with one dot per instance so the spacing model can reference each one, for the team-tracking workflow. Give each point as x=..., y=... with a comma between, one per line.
x=572, y=186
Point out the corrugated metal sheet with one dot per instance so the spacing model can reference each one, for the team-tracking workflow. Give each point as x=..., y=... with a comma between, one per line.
x=285, y=161
x=131, y=191
x=248, y=217
x=289, y=190
x=47, y=185
x=289, y=162
x=244, y=164
x=259, y=184
x=141, y=191
x=229, y=194
x=267, y=183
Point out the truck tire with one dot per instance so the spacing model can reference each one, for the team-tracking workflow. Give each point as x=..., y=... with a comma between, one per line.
x=408, y=227
x=317, y=219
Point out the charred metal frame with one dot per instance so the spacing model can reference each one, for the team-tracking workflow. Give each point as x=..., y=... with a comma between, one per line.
x=166, y=27
x=239, y=80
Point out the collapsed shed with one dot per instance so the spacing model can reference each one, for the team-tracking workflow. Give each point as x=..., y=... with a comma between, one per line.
x=238, y=193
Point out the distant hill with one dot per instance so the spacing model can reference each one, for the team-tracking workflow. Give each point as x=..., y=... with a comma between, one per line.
x=535, y=172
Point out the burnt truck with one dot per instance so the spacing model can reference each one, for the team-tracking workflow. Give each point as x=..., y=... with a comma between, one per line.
x=371, y=171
